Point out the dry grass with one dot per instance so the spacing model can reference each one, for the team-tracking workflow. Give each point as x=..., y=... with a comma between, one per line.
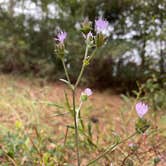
x=21, y=98
x=30, y=101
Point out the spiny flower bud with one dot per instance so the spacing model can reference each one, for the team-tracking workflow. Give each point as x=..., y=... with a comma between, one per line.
x=89, y=39
x=100, y=40
x=86, y=26
x=60, y=50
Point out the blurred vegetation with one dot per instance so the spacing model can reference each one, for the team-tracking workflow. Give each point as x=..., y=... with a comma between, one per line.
x=135, y=50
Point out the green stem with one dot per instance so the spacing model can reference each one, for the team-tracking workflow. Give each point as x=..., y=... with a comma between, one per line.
x=78, y=112
x=74, y=107
x=82, y=68
x=66, y=72
x=76, y=129
x=92, y=55
x=73, y=96
x=109, y=148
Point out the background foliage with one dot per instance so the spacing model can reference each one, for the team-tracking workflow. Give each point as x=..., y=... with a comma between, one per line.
x=135, y=50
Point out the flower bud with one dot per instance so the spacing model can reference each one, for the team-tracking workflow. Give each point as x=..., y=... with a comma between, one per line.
x=142, y=125
x=84, y=95
x=60, y=50
x=100, y=40
x=86, y=26
x=133, y=146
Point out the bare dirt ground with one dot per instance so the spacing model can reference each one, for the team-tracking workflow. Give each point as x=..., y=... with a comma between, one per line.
x=18, y=95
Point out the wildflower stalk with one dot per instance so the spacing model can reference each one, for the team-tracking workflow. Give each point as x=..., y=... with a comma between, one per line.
x=66, y=72
x=76, y=128
x=74, y=112
x=83, y=67
x=92, y=55
x=74, y=106
x=101, y=25
x=109, y=148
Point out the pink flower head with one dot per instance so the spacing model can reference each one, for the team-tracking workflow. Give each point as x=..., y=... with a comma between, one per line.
x=61, y=36
x=88, y=92
x=101, y=25
x=89, y=35
x=141, y=109
x=130, y=144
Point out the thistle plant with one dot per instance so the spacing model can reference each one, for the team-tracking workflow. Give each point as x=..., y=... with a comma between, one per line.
x=94, y=39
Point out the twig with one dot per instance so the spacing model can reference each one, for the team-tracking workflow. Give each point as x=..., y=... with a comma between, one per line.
x=110, y=148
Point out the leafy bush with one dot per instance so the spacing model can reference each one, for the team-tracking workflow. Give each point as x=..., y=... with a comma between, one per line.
x=154, y=93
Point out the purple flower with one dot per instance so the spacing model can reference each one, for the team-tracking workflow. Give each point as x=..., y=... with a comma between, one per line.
x=101, y=25
x=141, y=109
x=89, y=35
x=130, y=144
x=88, y=92
x=61, y=36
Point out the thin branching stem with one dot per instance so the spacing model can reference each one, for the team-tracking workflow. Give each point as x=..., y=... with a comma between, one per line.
x=73, y=97
x=76, y=128
x=66, y=71
x=109, y=148
x=74, y=107
x=82, y=68
x=92, y=55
